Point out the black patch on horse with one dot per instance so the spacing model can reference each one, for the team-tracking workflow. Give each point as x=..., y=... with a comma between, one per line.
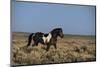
x=46, y=35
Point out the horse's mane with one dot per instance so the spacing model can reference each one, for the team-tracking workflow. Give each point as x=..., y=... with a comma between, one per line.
x=55, y=29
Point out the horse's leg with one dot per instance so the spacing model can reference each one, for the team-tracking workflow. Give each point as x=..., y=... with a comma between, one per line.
x=35, y=44
x=55, y=46
x=48, y=46
x=30, y=39
x=29, y=42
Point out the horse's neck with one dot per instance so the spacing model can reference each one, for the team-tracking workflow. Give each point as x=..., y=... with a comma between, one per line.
x=55, y=36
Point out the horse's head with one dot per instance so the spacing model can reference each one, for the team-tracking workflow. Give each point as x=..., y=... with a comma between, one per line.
x=57, y=32
x=60, y=32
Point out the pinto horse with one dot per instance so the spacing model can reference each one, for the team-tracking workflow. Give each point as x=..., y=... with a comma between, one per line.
x=46, y=39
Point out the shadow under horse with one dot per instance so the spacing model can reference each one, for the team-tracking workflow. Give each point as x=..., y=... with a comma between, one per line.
x=45, y=39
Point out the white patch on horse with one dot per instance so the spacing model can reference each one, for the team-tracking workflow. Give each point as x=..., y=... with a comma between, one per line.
x=47, y=39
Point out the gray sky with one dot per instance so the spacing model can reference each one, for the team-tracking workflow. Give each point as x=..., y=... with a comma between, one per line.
x=43, y=17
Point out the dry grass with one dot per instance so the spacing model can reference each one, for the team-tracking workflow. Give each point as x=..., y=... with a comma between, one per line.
x=69, y=49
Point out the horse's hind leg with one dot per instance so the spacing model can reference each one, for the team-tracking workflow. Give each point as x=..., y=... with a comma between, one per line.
x=35, y=44
x=30, y=39
x=28, y=43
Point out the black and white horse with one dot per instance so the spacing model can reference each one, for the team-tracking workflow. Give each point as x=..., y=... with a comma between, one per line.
x=46, y=39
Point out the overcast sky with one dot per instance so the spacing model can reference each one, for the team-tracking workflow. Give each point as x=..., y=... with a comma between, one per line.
x=43, y=17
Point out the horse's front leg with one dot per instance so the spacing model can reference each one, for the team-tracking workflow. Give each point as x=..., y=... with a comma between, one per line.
x=55, y=46
x=48, y=46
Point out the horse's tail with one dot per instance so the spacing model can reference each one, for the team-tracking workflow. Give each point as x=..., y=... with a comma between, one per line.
x=30, y=39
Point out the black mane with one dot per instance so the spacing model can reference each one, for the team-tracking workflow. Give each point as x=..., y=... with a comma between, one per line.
x=56, y=29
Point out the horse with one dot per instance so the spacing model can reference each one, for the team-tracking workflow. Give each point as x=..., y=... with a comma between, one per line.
x=46, y=38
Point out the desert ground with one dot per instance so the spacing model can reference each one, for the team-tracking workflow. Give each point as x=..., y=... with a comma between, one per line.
x=72, y=48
